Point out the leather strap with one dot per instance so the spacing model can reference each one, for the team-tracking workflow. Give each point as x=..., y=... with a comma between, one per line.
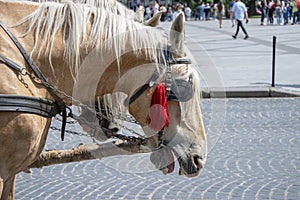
x=61, y=104
x=142, y=89
x=27, y=104
x=169, y=60
x=11, y=64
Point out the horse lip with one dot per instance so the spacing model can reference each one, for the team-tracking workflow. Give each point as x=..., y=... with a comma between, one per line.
x=163, y=160
x=168, y=169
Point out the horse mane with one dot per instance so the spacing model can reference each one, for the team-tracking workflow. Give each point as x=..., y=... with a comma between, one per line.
x=112, y=5
x=109, y=5
x=85, y=26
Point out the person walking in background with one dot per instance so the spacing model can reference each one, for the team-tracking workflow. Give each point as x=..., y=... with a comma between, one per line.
x=291, y=11
x=164, y=16
x=197, y=12
x=179, y=9
x=232, y=17
x=286, y=12
x=170, y=13
x=261, y=9
x=187, y=12
x=240, y=11
x=135, y=4
x=278, y=13
x=295, y=12
x=155, y=7
x=207, y=11
x=220, y=12
x=271, y=8
x=202, y=13
x=148, y=12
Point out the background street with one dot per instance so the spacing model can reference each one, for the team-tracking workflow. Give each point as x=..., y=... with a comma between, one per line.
x=253, y=142
x=226, y=62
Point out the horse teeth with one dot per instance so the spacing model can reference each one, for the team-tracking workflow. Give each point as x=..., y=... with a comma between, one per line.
x=180, y=172
x=165, y=170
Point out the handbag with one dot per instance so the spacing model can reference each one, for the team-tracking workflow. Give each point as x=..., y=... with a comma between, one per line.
x=258, y=11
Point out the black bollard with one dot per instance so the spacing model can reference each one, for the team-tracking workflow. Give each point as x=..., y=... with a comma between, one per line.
x=273, y=61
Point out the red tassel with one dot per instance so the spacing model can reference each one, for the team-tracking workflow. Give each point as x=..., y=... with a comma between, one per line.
x=158, y=115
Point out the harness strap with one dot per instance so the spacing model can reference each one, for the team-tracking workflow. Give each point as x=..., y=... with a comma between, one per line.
x=11, y=64
x=36, y=70
x=142, y=89
x=27, y=104
x=169, y=60
x=61, y=104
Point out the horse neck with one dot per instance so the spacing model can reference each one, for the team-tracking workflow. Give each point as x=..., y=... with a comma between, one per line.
x=58, y=72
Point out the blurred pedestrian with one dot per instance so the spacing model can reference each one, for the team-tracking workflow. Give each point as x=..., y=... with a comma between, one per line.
x=155, y=7
x=261, y=10
x=164, y=15
x=135, y=4
x=170, y=14
x=207, y=11
x=271, y=9
x=202, y=13
x=295, y=12
x=178, y=9
x=148, y=12
x=197, y=12
x=278, y=13
x=286, y=12
x=220, y=12
x=240, y=11
x=232, y=17
x=187, y=12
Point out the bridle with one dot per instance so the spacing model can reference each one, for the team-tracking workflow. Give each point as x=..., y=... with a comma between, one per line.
x=168, y=60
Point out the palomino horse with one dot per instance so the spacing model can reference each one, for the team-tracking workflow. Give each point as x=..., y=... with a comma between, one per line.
x=64, y=41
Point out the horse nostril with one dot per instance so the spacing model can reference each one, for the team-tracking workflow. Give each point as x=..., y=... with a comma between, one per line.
x=114, y=130
x=196, y=159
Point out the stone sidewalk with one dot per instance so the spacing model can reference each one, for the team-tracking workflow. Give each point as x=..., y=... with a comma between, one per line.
x=253, y=154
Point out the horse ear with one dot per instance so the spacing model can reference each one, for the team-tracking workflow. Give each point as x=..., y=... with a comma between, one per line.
x=176, y=36
x=140, y=15
x=154, y=21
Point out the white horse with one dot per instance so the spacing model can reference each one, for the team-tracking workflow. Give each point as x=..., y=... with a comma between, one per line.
x=86, y=52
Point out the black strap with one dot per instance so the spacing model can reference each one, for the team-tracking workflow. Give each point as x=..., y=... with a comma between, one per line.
x=29, y=61
x=169, y=61
x=61, y=104
x=138, y=93
x=11, y=64
x=142, y=89
x=36, y=70
x=27, y=104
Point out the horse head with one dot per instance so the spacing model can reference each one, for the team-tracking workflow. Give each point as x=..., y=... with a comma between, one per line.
x=185, y=136
x=139, y=77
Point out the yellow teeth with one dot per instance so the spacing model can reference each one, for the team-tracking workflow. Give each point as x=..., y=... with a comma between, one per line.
x=165, y=170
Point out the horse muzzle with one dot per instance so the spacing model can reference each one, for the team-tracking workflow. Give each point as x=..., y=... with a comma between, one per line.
x=191, y=166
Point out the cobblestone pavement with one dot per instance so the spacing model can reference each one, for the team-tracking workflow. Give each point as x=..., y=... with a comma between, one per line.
x=257, y=156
